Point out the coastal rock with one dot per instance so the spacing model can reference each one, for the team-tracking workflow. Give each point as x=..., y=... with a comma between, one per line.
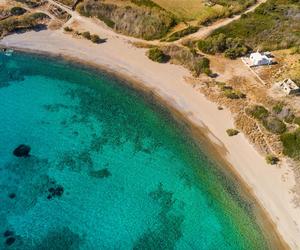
x=22, y=151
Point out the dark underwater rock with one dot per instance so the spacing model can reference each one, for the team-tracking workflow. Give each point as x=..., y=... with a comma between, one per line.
x=103, y=173
x=12, y=195
x=55, y=192
x=22, y=151
x=9, y=241
x=8, y=233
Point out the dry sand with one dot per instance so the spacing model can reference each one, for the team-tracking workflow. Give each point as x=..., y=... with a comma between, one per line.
x=271, y=185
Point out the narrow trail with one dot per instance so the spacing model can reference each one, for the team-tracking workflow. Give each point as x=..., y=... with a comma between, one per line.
x=206, y=31
x=202, y=33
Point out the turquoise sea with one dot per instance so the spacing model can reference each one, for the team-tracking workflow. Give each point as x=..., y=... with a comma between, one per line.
x=108, y=169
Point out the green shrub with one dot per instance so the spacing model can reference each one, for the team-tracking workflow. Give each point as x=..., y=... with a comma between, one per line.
x=110, y=23
x=272, y=160
x=234, y=94
x=291, y=144
x=232, y=132
x=157, y=55
x=297, y=120
x=147, y=3
x=202, y=66
x=289, y=118
x=295, y=50
x=39, y=15
x=181, y=33
x=274, y=125
x=233, y=47
x=234, y=53
x=17, y=11
x=258, y=112
x=95, y=39
x=86, y=35
x=278, y=108
x=68, y=29
x=268, y=27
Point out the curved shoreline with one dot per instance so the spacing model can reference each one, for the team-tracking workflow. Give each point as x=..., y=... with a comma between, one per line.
x=197, y=128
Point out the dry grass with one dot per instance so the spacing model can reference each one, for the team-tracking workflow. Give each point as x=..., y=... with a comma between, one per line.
x=191, y=9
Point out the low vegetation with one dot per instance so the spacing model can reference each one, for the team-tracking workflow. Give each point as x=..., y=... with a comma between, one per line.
x=32, y=3
x=86, y=34
x=232, y=47
x=232, y=132
x=272, y=160
x=96, y=39
x=17, y=11
x=291, y=144
x=68, y=29
x=202, y=10
x=181, y=33
x=24, y=22
x=271, y=122
x=273, y=25
x=147, y=3
x=190, y=59
x=140, y=19
x=157, y=55
x=229, y=92
x=66, y=2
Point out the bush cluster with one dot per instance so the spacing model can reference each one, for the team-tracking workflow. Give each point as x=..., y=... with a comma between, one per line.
x=269, y=121
x=17, y=11
x=68, y=29
x=232, y=132
x=272, y=160
x=232, y=47
x=157, y=55
x=230, y=93
x=273, y=25
x=291, y=144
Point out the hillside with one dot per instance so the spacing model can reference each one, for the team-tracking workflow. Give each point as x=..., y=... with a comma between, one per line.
x=155, y=19
x=273, y=25
x=142, y=19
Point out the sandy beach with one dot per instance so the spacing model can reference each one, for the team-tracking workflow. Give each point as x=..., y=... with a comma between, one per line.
x=271, y=185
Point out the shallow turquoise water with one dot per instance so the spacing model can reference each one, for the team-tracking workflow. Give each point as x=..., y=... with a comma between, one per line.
x=131, y=178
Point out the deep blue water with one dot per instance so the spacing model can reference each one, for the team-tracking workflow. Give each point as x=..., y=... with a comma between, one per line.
x=129, y=176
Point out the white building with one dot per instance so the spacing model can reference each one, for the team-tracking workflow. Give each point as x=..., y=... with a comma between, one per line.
x=258, y=59
x=289, y=87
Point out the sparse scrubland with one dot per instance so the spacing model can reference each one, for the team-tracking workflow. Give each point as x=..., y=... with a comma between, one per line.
x=190, y=59
x=273, y=25
x=203, y=11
